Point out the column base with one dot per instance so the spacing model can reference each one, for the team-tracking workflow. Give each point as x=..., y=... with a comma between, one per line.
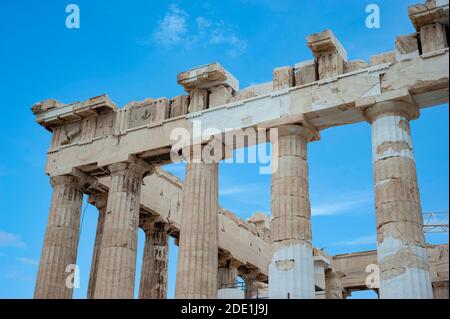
x=291, y=273
x=400, y=287
x=408, y=278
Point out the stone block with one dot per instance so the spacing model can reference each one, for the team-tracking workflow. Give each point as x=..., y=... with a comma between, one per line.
x=382, y=58
x=305, y=72
x=283, y=78
x=179, y=106
x=329, y=53
x=207, y=76
x=406, y=47
x=220, y=95
x=433, y=37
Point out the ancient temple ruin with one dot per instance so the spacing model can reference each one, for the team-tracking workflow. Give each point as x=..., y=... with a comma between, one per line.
x=115, y=156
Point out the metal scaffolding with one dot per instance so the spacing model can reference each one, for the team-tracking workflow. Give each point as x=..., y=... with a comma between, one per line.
x=435, y=222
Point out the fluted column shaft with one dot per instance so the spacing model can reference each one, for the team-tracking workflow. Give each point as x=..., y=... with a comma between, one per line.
x=333, y=285
x=153, y=283
x=291, y=272
x=117, y=265
x=402, y=255
x=100, y=201
x=198, y=250
x=251, y=287
x=227, y=275
x=61, y=239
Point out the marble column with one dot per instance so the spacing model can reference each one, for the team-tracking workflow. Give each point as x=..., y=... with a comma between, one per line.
x=227, y=274
x=117, y=265
x=100, y=201
x=61, y=239
x=291, y=271
x=153, y=283
x=402, y=254
x=251, y=284
x=198, y=250
x=333, y=284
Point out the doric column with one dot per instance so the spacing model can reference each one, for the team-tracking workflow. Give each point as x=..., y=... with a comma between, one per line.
x=333, y=284
x=402, y=254
x=117, y=264
x=61, y=239
x=250, y=277
x=291, y=272
x=153, y=283
x=100, y=201
x=227, y=273
x=198, y=250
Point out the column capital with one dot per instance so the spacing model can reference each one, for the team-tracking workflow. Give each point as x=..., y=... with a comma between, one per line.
x=289, y=125
x=250, y=274
x=136, y=165
x=406, y=109
x=210, y=152
x=80, y=181
x=76, y=178
x=234, y=263
x=147, y=223
x=65, y=180
x=307, y=133
x=98, y=199
x=226, y=260
x=150, y=223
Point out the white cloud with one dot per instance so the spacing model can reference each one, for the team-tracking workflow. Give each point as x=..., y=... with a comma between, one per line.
x=236, y=45
x=172, y=29
x=363, y=240
x=178, y=29
x=28, y=261
x=203, y=23
x=10, y=240
x=343, y=204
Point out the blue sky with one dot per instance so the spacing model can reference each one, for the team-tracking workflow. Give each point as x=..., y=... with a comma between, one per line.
x=133, y=50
